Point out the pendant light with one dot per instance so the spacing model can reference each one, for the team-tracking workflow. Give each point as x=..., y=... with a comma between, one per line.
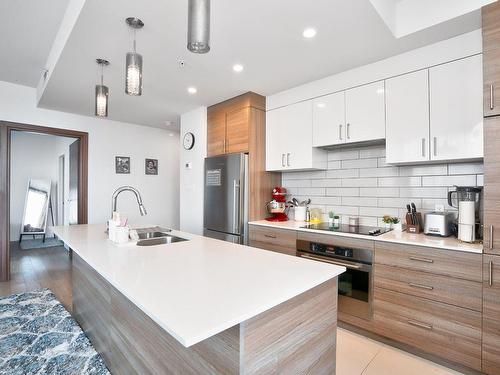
x=198, y=26
x=133, y=79
x=101, y=92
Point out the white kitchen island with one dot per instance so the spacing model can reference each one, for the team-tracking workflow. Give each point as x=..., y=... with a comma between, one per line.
x=202, y=306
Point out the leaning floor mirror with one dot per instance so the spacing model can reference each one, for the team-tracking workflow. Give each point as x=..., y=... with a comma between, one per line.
x=36, y=208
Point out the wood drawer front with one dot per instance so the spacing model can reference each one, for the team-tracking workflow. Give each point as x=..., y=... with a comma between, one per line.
x=459, y=264
x=443, y=330
x=453, y=291
x=331, y=239
x=280, y=240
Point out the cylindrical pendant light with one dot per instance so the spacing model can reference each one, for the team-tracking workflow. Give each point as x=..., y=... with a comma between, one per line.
x=198, y=26
x=101, y=93
x=133, y=68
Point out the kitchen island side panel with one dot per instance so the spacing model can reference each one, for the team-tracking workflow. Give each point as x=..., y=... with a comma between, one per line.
x=296, y=336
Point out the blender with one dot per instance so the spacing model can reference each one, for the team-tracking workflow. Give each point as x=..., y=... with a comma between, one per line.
x=468, y=201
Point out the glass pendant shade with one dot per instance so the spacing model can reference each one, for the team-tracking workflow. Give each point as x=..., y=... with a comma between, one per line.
x=133, y=80
x=198, y=26
x=101, y=100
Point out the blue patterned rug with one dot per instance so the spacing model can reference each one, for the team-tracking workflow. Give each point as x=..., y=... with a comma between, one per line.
x=38, y=336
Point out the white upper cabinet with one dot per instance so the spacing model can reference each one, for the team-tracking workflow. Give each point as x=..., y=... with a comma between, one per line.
x=289, y=139
x=456, y=109
x=365, y=113
x=407, y=117
x=329, y=120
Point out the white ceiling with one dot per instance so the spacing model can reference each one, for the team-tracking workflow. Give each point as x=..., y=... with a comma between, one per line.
x=27, y=31
x=265, y=36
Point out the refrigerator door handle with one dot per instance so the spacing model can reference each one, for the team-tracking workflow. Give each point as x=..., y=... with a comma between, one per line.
x=236, y=207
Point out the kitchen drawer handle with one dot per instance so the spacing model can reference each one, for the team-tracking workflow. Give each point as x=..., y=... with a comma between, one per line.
x=423, y=147
x=420, y=286
x=418, y=259
x=269, y=235
x=420, y=324
x=337, y=263
x=340, y=131
x=491, y=238
x=490, y=274
x=492, y=99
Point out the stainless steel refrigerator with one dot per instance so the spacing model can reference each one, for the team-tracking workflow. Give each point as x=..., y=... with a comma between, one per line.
x=226, y=198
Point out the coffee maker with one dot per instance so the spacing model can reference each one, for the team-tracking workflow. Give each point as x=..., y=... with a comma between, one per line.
x=277, y=207
x=468, y=201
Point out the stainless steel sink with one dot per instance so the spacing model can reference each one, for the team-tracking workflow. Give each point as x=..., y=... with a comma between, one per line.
x=156, y=236
x=160, y=240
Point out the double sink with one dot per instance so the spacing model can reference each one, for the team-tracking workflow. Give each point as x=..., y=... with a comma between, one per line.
x=156, y=236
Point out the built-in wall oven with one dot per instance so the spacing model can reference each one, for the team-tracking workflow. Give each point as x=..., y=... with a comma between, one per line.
x=354, y=285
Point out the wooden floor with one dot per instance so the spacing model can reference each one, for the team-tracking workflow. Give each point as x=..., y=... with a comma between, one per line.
x=40, y=268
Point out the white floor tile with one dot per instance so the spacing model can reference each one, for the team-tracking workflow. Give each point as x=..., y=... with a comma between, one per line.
x=354, y=352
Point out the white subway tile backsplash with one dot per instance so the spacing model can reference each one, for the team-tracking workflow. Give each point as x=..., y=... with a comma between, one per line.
x=358, y=182
x=342, y=173
x=423, y=170
x=359, y=201
x=379, y=192
x=379, y=172
x=468, y=180
x=400, y=181
x=359, y=163
x=466, y=168
x=312, y=191
x=340, y=192
x=344, y=154
x=327, y=182
x=424, y=192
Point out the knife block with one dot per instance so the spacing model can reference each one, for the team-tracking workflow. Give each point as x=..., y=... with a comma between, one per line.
x=414, y=228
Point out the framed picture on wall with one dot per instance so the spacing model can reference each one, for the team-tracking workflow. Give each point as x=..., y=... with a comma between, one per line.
x=151, y=166
x=122, y=164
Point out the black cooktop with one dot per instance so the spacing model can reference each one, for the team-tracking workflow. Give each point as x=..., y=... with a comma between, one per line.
x=344, y=228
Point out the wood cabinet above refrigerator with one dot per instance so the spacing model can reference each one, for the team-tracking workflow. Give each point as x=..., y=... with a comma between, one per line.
x=228, y=127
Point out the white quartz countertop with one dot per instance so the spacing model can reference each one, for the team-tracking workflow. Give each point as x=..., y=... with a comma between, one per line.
x=446, y=243
x=198, y=288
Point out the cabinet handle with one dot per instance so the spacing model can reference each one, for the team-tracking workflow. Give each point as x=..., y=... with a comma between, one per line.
x=490, y=245
x=418, y=259
x=435, y=146
x=283, y=160
x=490, y=273
x=288, y=159
x=340, y=131
x=492, y=99
x=420, y=286
x=420, y=324
x=269, y=236
x=423, y=147
x=347, y=131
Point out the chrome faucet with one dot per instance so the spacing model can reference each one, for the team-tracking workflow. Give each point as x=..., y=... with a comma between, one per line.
x=117, y=192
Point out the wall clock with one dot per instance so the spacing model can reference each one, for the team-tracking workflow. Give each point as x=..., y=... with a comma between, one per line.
x=188, y=141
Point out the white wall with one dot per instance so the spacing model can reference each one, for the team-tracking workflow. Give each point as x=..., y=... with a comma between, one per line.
x=108, y=139
x=192, y=179
x=33, y=156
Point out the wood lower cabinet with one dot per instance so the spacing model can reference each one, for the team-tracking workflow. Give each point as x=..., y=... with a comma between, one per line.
x=491, y=314
x=280, y=240
x=440, y=329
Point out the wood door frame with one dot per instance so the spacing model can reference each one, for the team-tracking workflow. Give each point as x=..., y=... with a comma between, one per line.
x=6, y=129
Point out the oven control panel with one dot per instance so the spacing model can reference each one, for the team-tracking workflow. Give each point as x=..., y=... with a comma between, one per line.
x=331, y=250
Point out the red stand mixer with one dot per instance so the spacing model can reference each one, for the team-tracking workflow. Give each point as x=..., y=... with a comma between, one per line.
x=277, y=207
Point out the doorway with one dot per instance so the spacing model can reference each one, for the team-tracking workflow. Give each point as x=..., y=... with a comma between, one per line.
x=77, y=185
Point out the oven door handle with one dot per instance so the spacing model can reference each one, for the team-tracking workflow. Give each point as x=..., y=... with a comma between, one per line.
x=355, y=266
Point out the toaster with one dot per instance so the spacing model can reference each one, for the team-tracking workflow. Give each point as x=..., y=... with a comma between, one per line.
x=439, y=223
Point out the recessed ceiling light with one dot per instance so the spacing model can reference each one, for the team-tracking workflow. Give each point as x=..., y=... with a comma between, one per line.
x=238, y=68
x=309, y=33
x=192, y=90
x=321, y=105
